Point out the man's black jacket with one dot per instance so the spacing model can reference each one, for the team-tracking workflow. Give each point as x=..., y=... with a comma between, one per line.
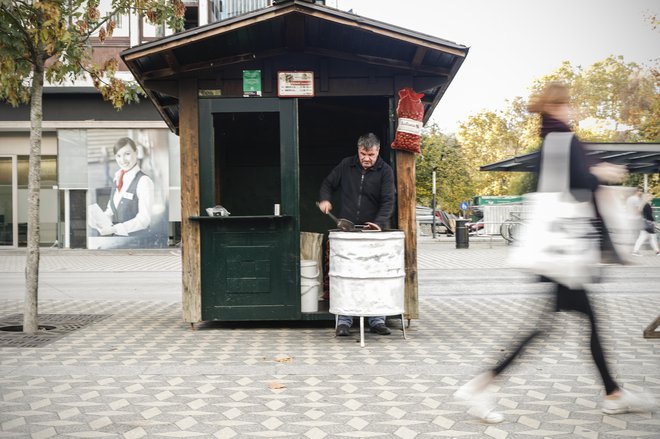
x=365, y=196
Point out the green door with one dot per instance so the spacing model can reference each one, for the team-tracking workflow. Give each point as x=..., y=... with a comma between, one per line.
x=249, y=164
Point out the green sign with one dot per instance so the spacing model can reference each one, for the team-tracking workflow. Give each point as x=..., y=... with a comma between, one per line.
x=251, y=82
x=501, y=199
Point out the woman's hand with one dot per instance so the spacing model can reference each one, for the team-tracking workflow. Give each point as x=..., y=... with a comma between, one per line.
x=609, y=173
x=105, y=231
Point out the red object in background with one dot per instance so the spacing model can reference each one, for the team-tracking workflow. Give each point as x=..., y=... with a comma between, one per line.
x=410, y=113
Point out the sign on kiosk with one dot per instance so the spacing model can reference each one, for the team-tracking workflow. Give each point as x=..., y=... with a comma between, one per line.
x=295, y=84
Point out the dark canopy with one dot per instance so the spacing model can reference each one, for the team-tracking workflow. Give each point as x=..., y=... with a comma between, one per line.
x=642, y=158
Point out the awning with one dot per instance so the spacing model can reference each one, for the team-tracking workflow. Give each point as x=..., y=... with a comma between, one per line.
x=641, y=158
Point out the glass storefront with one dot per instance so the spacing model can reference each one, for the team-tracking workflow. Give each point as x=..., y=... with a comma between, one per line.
x=14, y=171
x=7, y=200
x=48, y=204
x=79, y=169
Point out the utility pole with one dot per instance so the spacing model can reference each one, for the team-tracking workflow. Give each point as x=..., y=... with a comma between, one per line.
x=433, y=206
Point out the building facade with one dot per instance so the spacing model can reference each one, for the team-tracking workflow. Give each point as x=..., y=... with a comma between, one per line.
x=79, y=166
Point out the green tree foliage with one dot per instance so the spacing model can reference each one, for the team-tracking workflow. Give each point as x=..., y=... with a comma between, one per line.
x=489, y=137
x=50, y=40
x=614, y=101
x=54, y=36
x=453, y=185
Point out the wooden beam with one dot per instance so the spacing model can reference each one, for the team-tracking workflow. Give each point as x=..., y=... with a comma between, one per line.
x=212, y=31
x=324, y=84
x=169, y=88
x=172, y=60
x=295, y=32
x=406, y=209
x=203, y=35
x=267, y=77
x=406, y=203
x=318, y=51
x=168, y=101
x=419, y=56
x=216, y=63
x=421, y=83
x=359, y=24
x=380, y=61
x=190, y=237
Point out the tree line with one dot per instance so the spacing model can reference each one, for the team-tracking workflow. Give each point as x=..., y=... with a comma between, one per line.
x=614, y=101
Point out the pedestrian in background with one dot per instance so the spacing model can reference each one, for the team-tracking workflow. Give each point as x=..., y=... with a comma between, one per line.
x=648, y=227
x=553, y=106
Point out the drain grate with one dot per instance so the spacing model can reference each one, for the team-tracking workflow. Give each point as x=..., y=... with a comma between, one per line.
x=52, y=328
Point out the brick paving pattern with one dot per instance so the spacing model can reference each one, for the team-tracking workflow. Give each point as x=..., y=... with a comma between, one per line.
x=142, y=372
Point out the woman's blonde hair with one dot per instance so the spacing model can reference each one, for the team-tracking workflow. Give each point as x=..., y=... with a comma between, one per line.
x=553, y=93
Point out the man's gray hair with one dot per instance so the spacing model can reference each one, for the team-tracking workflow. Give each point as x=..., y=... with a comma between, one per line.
x=368, y=141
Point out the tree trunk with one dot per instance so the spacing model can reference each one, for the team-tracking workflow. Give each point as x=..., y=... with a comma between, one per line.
x=30, y=308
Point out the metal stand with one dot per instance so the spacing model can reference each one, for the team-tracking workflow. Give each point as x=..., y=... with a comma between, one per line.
x=403, y=327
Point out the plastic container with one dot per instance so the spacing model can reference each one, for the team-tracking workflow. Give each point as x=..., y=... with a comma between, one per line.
x=309, y=269
x=367, y=273
x=309, y=295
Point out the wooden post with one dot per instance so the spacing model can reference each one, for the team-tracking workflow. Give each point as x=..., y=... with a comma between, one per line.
x=406, y=204
x=190, y=238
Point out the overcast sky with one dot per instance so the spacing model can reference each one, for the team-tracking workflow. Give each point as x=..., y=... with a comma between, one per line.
x=513, y=42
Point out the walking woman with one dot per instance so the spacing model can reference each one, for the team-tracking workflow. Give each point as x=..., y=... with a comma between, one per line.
x=553, y=106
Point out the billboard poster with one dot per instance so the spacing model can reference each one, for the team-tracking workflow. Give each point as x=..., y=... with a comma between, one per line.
x=127, y=199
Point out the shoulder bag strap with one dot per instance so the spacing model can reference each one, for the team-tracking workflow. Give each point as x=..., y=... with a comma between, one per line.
x=555, y=163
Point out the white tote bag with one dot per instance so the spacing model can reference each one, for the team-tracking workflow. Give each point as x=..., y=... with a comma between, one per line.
x=559, y=239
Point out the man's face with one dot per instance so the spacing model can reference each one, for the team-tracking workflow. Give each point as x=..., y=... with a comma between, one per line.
x=368, y=157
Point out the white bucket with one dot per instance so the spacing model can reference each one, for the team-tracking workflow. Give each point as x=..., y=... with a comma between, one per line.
x=309, y=269
x=309, y=291
x=367, y=273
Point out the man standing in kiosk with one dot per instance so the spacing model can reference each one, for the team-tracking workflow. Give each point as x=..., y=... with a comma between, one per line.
x=366, y=190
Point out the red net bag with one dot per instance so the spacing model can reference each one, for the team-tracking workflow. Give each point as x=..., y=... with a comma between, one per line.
x=410, y=113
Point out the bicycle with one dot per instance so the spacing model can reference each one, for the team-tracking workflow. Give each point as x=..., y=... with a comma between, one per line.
x=511, y=228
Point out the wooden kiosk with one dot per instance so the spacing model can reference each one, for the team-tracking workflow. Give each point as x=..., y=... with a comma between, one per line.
x=266, y=104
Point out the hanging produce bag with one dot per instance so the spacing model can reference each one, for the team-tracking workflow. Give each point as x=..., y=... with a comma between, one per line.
x=410, y=113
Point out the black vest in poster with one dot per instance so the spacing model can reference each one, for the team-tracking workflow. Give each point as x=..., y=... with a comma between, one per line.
x=127, y=209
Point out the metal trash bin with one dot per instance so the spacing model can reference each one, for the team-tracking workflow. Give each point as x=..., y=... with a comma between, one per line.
x=462, y=235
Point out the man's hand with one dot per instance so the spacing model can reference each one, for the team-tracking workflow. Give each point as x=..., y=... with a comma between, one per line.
x=609, y=173
x=372, y=226
x=325, y=206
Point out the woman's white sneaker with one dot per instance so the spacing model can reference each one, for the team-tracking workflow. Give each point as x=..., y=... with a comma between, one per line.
x=481, y=406
x=628, y=402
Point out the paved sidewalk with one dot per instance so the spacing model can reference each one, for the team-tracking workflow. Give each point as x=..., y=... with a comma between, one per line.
x=141, y=372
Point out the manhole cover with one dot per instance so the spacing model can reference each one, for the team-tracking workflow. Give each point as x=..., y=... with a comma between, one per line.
x=51, y=327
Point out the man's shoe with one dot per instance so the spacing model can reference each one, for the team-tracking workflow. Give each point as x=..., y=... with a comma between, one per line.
x=381, y=329
x=342, y=331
